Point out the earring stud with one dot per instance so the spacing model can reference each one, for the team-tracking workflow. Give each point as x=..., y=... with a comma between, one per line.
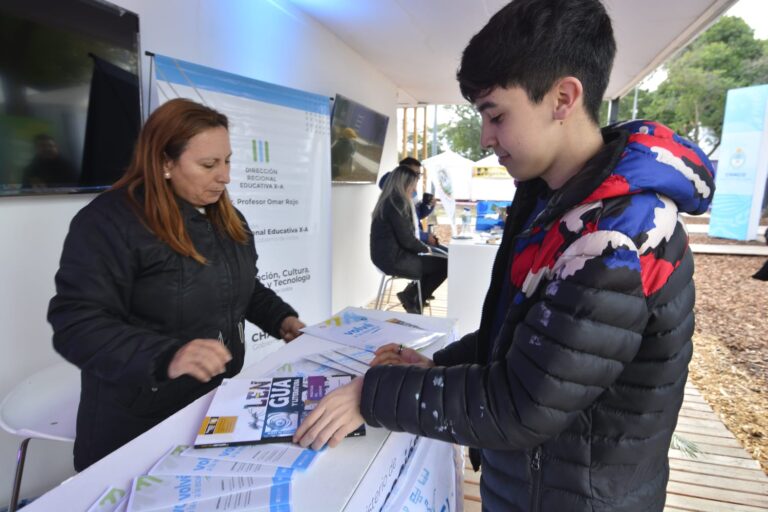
x=167, y=175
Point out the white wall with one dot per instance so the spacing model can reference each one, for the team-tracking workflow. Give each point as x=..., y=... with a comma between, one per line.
x=263, y=39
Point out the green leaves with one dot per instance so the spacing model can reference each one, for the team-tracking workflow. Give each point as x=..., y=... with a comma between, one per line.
x=691, y=100
x=463, y=133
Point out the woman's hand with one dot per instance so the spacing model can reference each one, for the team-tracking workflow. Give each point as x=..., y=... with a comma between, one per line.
x=337, y=414
x=202, y=359
x=392, y=353
x=289, y=329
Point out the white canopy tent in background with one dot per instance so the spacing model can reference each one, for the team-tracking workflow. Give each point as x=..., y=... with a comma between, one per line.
x=450, y=175
x=490, y=181
x=458, y=168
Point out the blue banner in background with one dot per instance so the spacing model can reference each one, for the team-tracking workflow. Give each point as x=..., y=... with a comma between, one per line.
x=280, y=181
x=741, y=174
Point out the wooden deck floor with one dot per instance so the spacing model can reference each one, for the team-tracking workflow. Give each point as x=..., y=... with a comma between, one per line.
x=722, y=478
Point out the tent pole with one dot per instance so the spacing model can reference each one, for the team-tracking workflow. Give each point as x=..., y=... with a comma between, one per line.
x=415, y=153
x=404, y=153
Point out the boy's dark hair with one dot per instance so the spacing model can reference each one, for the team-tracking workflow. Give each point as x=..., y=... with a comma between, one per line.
x=409, y=160
x=533, y=43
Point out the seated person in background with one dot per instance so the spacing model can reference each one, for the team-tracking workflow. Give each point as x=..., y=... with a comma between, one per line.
x=423, y=208
x=395, y=246
x=157, y=278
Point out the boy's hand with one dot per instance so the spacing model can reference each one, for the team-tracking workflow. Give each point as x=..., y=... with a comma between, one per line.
x=393, y=353
x=337, y=414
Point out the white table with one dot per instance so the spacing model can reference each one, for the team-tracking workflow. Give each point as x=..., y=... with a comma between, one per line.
x=469, y=274
x=354, y=476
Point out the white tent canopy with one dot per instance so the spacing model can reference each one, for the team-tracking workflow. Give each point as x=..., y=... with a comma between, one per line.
x=458, y=168
x=489, y=161
x=418, y=45
x=499, y=186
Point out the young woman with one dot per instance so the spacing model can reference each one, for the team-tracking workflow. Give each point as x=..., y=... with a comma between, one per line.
x=395, y=245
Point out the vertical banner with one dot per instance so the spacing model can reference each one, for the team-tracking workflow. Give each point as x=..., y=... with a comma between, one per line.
x=281, y=180
x=743, y=164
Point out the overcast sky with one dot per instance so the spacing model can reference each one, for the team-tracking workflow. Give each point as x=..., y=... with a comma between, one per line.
x=755, y=13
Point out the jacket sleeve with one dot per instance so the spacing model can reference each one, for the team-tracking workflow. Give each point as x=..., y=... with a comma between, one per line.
x=573, y=343
x=423, y=209
x=402, y=226
x=90, y=312
x=267, y=310
x=461, y=351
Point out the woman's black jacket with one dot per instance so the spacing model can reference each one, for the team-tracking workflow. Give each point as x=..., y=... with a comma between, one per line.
x=394, y=245
x=125, y=303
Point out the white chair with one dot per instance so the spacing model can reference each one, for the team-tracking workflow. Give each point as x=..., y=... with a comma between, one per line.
x=42, y=406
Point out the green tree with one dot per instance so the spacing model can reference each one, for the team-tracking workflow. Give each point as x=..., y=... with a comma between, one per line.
x=691, y=100
x=420, y=147
x=626, y=106
x=462, y=134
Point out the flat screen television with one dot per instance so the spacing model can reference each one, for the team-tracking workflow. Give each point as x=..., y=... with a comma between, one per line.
x=70, y=102
x=357, y=141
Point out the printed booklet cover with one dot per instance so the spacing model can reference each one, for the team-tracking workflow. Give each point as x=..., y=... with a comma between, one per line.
x=350, y=327
x=264, y=410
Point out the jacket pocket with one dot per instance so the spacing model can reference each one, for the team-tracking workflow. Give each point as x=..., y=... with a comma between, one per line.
x=161, y=402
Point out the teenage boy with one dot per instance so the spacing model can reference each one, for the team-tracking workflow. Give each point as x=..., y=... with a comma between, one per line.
x=571, y=387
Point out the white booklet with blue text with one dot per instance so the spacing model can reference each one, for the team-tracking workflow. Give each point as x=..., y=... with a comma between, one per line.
x=183, y=493
x=176, y=463
x=355, y=329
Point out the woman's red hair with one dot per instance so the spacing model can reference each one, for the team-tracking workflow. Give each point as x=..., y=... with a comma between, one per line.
x=164, y=137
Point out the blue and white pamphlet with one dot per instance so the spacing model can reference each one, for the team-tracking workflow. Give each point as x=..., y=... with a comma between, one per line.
x=350, y=327
x=183, y=493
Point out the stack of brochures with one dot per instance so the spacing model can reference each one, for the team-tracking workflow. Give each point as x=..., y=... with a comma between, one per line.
x=239, y=478
x=242, y=458
x=350, y=327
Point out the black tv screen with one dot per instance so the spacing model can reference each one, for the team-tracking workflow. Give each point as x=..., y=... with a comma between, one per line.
x=357, y=141
x=70, y=107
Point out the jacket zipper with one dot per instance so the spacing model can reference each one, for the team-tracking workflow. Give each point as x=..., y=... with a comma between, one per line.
x=225, y=259
x=536, y=479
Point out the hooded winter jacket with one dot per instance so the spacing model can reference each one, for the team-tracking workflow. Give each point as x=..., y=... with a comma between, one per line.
x=574, y=400
x=126, y=302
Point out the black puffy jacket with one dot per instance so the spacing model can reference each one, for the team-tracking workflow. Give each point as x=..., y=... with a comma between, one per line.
x=125, y=302
x=393, y=242
x=574, y=401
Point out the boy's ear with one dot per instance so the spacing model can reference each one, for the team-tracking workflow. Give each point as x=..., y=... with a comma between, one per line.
x=568, y=93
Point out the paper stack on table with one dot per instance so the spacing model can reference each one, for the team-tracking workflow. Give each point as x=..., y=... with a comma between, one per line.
x=232, y=479
x=254, y=477
x=350, y=327
x=344, y=360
